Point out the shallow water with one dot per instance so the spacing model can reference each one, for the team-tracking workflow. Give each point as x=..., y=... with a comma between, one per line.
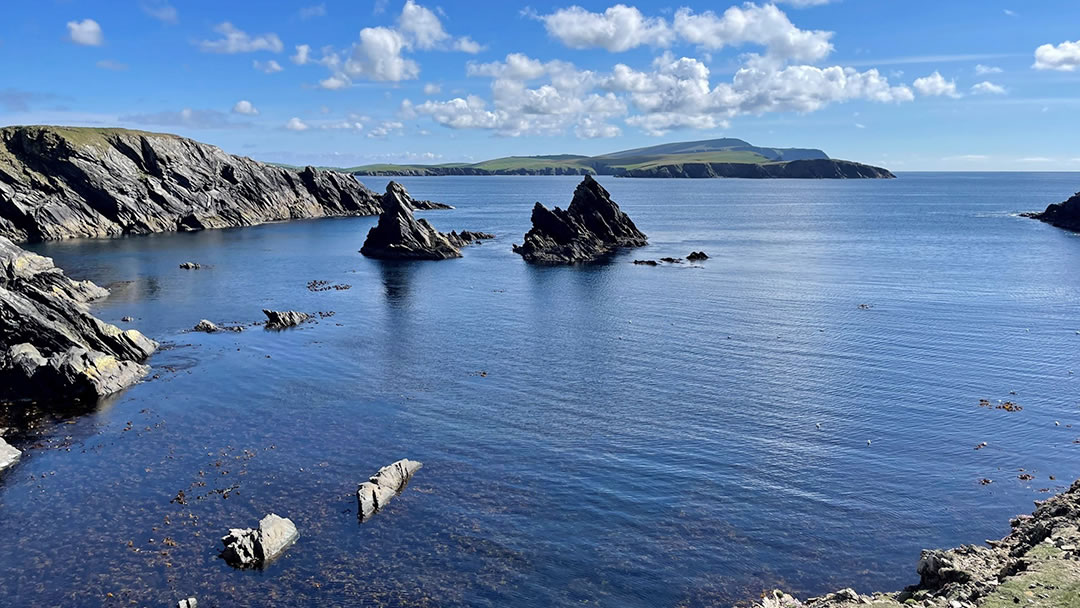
x=608, y=435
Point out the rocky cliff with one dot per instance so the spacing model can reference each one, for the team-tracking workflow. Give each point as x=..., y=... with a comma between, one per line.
x=406, y=171
x=821, y=168
x=1063, y=215
x=399, y=235
x=1036, y=565
x=51, y=347
x=65, y=182
x=591, y=227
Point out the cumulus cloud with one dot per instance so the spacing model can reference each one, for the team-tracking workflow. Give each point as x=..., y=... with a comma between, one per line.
x=386, y=128
x=589, y=128
x=378, y=57
x=988, y=88
x=333, y=83
x=245, y=107
x=619, y=28
x=421, y=25
x=935, y=85
x=982, y=70
x=1064, y=57
x=295, y=124
x=234, y=40
x=267, y=67
x=192, y=119
x=468, y=45
x=86, y=32
x=303, y=54
x=160, y=10
x=432, y=88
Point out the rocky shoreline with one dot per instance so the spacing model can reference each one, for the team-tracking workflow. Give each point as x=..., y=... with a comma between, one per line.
x=1064, y=215
x=401, y=236
x=1035, y=565
x=70, y=182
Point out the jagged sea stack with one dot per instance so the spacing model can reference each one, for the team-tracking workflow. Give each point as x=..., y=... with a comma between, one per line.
x=1063, y=215
x=401, y=236
x=590, y=228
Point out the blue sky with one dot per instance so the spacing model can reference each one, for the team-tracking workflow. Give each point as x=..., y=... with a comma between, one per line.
x=910, y=85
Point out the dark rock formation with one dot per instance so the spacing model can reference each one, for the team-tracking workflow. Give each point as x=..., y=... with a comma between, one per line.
x=190, y=266
x=421, y=171
x=1063, y=215
x=248, y=548
x=1041, y=552
x=697, y=256
x=8, y=454
x=820, y=168
x=64, y=182
x=376, y=492
x=468, y=237
x=282, y=319
x=51, y=347
x=401, y=236
x=646, y=262
x=590, y=228
x=205, y=326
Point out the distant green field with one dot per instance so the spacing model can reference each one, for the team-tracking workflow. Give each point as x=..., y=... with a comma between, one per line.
x=724, y=156
x=533, y=162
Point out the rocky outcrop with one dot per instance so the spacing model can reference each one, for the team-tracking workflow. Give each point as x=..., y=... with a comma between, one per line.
x=376, y=492
x=190, y=266
x=51, y=347
x=65, y=182
x=276, y=319
x=8, y=454
x=592, y=227
x=819, y=168
x=1037, y=564
x=697, y=256
x=419, y=171
x=468, y=237
x=1063, y=215
x=248, y=548
x=399, y=235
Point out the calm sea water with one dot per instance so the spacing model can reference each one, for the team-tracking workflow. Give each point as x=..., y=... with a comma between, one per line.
x=608, y=435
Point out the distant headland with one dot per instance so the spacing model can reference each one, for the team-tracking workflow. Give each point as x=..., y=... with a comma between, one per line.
x=694, y=159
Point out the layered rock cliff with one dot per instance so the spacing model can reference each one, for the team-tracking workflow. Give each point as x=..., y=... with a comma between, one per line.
x=820, y=168
x=51, y=347
x=590, y=228
x=66, y=182
x=1063, y=215
x=399, y=235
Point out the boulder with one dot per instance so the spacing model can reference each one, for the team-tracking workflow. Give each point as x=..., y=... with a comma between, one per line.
x=248, y=548
x=592, y=227
x=51, y=347
x=401, y=236
x=8, y=454
x=205, y=327
x=373, y=494
x=697, y=256
x=283, y=319
x=190, y=266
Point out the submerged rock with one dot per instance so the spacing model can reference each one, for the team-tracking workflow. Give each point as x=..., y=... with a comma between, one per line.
x=283, y=319
x=8, y=454
x=401, y=236
x=468, y=237
x=51, y=347
x=376, y=492
x=1063, y=215
x=697, y=256
x=248, y=548
x=592, y=227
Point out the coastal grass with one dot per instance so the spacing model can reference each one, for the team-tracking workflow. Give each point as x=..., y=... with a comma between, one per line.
x=1050, y=581
x=722, y=156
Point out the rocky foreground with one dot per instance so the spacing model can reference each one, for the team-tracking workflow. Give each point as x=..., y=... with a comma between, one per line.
x=592, y=227
x=51, y=347
x=67, y=182
x=1036, y=565
x=1063, y=215
x=399, y=235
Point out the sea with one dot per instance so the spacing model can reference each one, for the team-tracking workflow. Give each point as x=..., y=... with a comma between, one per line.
x=801, y=410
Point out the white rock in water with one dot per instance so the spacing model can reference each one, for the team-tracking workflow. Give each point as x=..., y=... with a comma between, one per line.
x=374, y=494
x=246, y=548
x=188, y=603
x=8, y=455
x=206, y=326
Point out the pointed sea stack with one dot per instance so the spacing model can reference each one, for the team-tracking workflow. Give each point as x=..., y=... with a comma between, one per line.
x=400, y=236
x=1063, y=215
x=590, y=228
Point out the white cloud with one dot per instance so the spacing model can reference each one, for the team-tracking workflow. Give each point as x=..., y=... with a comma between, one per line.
x=234, y=40
x=160, y=10
x=295, y=124
x=421, y=26
x=86, y=32
x=859, y=125
x=344, y=125
x=334, y=83
x=189, y=118
x=378, y=57
x=303, y=54
x=115, y=66
x=386, y=128
x=988, y=88
x=805, y=3
x=432, y=89
x=982, y=70
x=968, y=157
x=267, y=67
x=1064, y=57
x=245, y=107
x=619, y=28
x=318, y=10
x=767, y=26
x=468, y=45
x=1009, y=13
x=458, y=113
x=1035, y=159
x=589, y=128
x=935, y=85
